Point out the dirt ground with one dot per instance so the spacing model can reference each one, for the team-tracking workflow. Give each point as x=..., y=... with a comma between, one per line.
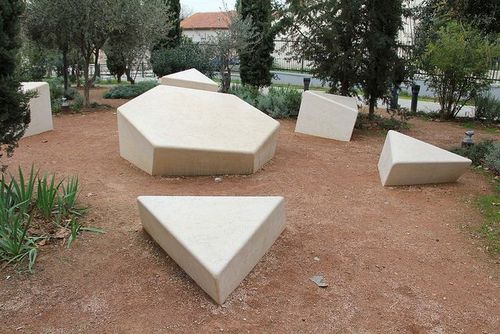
x=397, y=260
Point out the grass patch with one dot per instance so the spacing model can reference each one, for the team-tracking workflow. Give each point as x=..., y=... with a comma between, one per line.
x=489, y=231
x=490, y=128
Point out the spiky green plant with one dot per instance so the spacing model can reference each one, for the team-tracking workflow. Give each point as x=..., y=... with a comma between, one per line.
x=47, y=191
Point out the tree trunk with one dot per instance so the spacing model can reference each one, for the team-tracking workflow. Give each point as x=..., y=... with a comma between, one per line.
x=87, y=83
x=344, y=88
x=129, y=78
x=65, y=71
x=371, y=110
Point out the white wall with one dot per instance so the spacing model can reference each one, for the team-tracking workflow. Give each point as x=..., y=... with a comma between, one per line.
x=199, y=35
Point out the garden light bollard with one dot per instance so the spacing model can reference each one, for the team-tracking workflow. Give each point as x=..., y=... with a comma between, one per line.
x=415, y=89
x=307, y=82
x=468, y=141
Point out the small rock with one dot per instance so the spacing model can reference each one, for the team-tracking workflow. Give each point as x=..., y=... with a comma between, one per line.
x=218, y=179
x=319, y=281
x=91, y=194
x=316, y=258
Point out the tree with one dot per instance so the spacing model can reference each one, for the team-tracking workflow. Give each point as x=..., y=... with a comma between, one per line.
x=381, y=23
x=48, y=24
x=226, y=44
x=14, y=109
x=172, y=37
x=137, y=29
x=328, y=35
x=255, y=59
x=456, y=64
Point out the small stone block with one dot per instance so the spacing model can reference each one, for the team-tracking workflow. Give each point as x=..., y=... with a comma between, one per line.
x=327, y=115
x=409, y=161
x=215, y=240
x=40, y=108
x=191, y=78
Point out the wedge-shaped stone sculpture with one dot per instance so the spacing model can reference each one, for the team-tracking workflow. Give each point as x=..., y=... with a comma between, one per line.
x=406, y=161
x=192, y=78
x=326, y=115
x=178, y=131
x=216, y=240
x=40, y=108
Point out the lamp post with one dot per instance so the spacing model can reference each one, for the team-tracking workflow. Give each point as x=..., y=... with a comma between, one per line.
x=307, y=82
x=415, y=89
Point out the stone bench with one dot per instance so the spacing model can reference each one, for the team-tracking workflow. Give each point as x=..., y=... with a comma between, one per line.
x=178, y=131
x=40, y=108
x=190, y=79
x=409, y=161
x=215, y=240
x=326, y=115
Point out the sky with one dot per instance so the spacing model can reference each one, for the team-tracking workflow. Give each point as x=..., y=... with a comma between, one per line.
x=207, y=5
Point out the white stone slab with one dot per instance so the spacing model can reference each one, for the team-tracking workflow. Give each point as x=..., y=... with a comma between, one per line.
x=178, y=131
x=192, y=78
x=407, y=161
x=215, y=240
x=326, y=115
x=40, y=108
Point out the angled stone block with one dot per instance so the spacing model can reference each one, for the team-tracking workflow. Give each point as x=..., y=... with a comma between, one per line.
x=192, y=78
x=40, y=108
x=326, y=115
x=408, y=161
x=215, y=240
x=178, y=131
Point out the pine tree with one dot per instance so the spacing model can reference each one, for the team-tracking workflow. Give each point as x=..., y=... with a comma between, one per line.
x=256, y=59
x=14, y=110
x=382, y=21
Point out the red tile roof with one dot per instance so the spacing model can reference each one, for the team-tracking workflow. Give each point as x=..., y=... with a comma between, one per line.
x=208, y=21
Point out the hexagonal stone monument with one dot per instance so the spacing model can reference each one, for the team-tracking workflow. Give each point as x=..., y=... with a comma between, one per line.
x=178, y=131
x=40, y=108
x=408, y=161
x=216, y=240
x=190, y=79
x=327, y=115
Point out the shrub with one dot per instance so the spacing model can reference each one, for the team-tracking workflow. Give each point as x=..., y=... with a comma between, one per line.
x=185, y=56
x=279, y=102
x=57, y=93
x=455, y=61
x=492, y=158
x=477, y=153
x=487, y=108
x=129, y=91
x=378, y=122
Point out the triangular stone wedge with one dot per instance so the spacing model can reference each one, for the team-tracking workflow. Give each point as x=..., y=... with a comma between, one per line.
x=191, y=78
x=407, y=161
x=215, y=240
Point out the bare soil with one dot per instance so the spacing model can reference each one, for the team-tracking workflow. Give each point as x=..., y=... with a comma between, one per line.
x=397, y=260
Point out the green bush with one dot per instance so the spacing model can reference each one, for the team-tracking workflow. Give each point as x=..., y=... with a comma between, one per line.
x=379, y=123
x=279, y=102
x=57, y=93
x=129, y=91
x=492, y=158
x=477, y=153
x=185, y=56
x=487, y=108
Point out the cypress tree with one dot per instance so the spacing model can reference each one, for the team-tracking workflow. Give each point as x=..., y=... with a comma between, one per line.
x=256, y=59
x=14, y=110
x=174, y=34
x=382, y=21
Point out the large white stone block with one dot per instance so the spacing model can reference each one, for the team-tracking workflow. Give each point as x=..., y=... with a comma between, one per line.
x=40, y=108
x=215, y=240
x=178, y=131
x=327, y=115
x=190, y=79
x=406, y=161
